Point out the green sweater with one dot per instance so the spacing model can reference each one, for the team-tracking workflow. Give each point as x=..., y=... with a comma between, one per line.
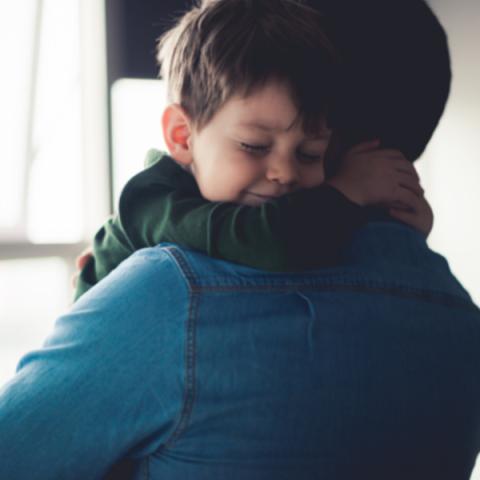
x=300, y=231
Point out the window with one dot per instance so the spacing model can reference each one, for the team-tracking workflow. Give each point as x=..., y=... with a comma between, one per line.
x=54, y=183
x=134, y=100
x=43, y=118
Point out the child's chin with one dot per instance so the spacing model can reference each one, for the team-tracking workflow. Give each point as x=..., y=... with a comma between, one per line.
x=252, y=201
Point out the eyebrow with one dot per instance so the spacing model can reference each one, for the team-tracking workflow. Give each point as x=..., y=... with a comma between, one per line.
x=268, y=128
x=264, y=126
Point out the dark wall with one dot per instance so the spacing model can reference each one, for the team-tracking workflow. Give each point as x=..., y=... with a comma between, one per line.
x=132, y=29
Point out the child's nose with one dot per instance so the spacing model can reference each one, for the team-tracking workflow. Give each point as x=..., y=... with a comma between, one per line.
x=282, y=169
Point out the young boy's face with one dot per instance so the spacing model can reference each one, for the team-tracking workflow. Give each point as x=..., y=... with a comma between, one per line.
x=254, y=149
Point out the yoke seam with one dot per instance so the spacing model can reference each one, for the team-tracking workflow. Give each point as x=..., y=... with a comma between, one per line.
x=423, y=295
x=195, y=289
x=185, y=268
x=430, y=296
x=189, y=355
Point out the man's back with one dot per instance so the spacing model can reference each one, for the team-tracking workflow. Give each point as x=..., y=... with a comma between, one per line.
x=202, y=369
x=372, y=368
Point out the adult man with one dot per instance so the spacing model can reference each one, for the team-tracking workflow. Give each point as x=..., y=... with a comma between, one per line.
x=188, y=367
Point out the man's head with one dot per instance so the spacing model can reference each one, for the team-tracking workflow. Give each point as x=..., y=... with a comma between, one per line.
x=396, y=75
x=231, y=63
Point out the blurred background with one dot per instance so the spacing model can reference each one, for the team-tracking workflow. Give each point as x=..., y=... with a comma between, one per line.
x=80, y=108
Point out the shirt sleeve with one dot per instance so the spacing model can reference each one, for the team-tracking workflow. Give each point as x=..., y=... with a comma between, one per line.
x=110, y=247
x=303, y=230
x=102, y=387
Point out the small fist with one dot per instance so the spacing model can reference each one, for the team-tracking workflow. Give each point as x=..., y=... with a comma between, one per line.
x=369, y=175
x=80, y=263
x=419, y=216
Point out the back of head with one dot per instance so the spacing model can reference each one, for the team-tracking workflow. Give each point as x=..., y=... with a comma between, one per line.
x=222, y=48
x=396, y=71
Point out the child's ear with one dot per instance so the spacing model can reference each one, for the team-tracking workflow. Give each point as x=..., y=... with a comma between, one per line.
x=176, y=128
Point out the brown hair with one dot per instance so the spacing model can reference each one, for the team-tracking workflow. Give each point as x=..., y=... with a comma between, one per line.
x=225, y=47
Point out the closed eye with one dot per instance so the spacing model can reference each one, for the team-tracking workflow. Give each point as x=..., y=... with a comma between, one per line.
x=260, y=149
x=254, y=148
x=308, y=158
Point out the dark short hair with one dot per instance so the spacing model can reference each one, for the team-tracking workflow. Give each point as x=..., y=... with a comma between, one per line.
x=221, y=48
x=396, y=74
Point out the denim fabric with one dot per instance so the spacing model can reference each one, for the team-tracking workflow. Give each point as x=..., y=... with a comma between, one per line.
x=193, y=368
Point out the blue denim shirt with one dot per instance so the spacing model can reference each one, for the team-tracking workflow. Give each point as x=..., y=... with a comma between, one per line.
x=194, y=368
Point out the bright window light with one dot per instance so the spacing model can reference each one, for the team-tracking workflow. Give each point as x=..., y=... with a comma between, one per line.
x=40, y=173
x=55, y=195
x=24, y=325
x=17, y=26
x=137, y=107
x=54, y=132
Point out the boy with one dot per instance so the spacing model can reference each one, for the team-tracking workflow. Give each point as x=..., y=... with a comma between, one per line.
x=247, y=137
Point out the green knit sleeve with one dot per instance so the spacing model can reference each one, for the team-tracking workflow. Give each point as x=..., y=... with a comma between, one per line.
x=223, y=230
x=302, y=230
x=110, y=247
x=299, y=231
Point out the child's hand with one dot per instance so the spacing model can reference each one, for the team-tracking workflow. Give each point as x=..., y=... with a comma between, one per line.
x=420, y=216
x=382, y=177
x=80, y=262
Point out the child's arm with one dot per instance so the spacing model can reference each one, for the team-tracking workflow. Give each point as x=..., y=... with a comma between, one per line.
x=110, y=247
x=370, y=176
x=301, y=230
x=297, y=231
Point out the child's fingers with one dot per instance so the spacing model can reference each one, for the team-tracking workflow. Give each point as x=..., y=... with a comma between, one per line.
x=405, y=216
x=413, y=186
x=412, y=219
x=405, y=167
x=83, y=258
x=401, y=212
x=365, y=146
x=420, y=216
x=398, y=206
x=408, y=198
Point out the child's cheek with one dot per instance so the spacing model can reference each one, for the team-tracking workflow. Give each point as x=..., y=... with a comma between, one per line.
x=312, y=176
